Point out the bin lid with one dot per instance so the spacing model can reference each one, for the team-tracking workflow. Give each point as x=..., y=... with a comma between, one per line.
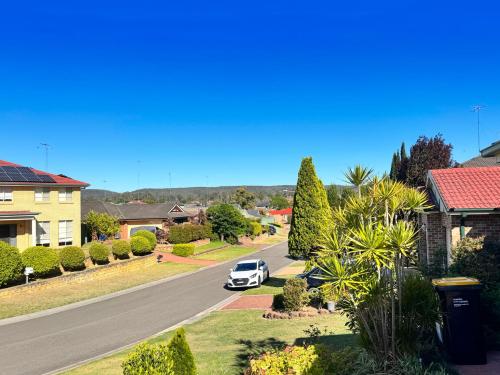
x=455, y=281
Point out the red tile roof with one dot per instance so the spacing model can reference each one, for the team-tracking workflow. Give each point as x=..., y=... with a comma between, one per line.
x=468, y=188
x=59, y=179
x=286, y=211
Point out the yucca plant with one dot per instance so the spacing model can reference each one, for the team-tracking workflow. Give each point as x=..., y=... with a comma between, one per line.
x=358, y=176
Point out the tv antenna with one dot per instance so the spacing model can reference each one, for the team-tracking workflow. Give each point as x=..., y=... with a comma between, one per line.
x=45, y=146
x=477, y=108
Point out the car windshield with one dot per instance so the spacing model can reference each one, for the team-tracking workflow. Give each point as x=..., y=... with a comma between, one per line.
x=245, y=267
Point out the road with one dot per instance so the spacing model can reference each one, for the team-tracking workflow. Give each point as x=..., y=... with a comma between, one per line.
x=49, y=343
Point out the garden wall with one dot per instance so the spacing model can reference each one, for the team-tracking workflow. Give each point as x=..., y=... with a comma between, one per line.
x=106, y=271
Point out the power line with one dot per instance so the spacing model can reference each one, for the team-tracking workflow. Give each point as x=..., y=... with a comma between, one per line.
x=45, y=146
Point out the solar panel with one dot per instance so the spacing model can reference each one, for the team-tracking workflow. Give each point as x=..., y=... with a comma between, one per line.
x=22, y=174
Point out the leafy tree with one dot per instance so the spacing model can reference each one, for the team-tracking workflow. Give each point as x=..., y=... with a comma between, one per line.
x=279, y=202
x=183, y=360
x=226, y=221
x=311, y=214
x=244, y=198
x=426, y=154
x=101, y=223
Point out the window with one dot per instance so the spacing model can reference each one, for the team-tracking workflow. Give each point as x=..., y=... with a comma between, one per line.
x=42, y=195
x=65, y=232
x=65, y=195
x=5, y=194
x=43, y=233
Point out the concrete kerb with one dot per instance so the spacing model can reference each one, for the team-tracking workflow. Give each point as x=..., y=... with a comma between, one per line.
x=55, y=310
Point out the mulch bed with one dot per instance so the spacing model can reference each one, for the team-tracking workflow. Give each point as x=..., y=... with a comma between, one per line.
x=306, y=312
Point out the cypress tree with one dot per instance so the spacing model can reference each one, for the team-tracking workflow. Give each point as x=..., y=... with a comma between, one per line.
x=395, y=166
x=311, y=214
x=403, y=165
x=181, y=354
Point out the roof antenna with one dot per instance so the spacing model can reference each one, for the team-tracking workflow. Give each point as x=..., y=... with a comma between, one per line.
x=477, y=108
x=45, y=146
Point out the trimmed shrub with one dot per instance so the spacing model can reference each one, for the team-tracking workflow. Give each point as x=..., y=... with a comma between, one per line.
x=254, y=228
x=181, y=354
x=183, y=249
x=11, y=264
x=99, y=253
x=44, y=260
x=149, y=359
x=140, y=245
x=186, y=233
x=150, y=236
x=295, y=295
x=278, y=302
x=72, y=258
x=120, y=249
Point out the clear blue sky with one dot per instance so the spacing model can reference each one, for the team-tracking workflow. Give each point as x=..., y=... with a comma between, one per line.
x=237, y=92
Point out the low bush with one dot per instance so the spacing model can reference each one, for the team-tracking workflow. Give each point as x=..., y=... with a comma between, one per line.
x=181, y=354
x=99, y=253
x=296, y=360
x=278, y=302
x=140, y=246
x=186, y=233
x=295, y=295
x=490, y=315
x=120, y=249
x=254, y=229
x=11, y=264
x=148, y=359
x=44, y=260
x=72, y=258
x=150, y=236
x=183, y=249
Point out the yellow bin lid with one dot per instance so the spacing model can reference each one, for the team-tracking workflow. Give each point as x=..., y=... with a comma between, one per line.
x=455, y=281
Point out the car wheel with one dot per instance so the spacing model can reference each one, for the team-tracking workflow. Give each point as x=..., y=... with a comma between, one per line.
x=267, y=275
x=259, y=282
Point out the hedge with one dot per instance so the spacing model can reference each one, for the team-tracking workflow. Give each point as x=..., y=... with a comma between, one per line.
x=140, y=245
x=72, y=258
x=44, y=260
x=120, y=249
x=11, y=264
x=295, y=295
x=183, y=249
x=186, y=233
x=150, y=236
x=99, y=253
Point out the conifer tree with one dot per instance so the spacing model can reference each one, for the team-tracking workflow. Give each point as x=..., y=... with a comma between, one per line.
x=181, y=354
x=311, y=214
x=403, y=164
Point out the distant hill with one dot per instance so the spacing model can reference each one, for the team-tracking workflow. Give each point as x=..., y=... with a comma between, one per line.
x=187, y=194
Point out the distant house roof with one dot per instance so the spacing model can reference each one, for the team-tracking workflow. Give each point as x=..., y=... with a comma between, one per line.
x=58, y=179
x=489, y=157
x=254, y=213
x=136, y=211
x=466, y=188
x=286, y=211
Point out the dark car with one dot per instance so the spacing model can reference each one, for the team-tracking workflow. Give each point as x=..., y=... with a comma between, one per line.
x=272, y=230
x=310, y=277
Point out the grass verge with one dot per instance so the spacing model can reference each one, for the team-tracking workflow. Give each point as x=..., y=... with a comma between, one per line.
x=33, y=301
x=223, y=341
x=227, y=253
x=274, y=285
x=209, y=246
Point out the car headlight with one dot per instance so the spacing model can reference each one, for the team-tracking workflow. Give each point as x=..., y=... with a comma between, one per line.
x=253, y=276
x=229, y=277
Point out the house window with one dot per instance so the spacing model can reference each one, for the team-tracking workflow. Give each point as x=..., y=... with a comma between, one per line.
x=5, y=194
x=65, y=195
x=42, y=195
x=65, y=232
x=43, y=233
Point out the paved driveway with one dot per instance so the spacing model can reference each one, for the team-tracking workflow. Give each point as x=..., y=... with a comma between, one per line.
x=52, y=342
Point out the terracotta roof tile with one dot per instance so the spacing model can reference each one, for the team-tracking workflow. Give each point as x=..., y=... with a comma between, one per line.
x=286, y=211
x=468, y=188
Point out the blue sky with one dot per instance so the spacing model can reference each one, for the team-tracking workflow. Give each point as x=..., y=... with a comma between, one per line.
x=237, y=92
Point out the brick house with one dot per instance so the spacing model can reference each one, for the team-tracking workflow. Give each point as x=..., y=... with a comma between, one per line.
x=466, y=204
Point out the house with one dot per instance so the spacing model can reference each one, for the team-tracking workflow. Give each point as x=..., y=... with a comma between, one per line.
x=282, y=216
x=466, y=203
x=38, y=208
x=489, y=157
x=133, y=216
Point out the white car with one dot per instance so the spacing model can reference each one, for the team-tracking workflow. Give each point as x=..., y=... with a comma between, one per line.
x=248, y=273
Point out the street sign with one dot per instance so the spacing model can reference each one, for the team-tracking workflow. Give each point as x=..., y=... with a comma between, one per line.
x=28, y=271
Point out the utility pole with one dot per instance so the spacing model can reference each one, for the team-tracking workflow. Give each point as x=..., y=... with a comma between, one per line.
x=45, y=146
x=477, y=108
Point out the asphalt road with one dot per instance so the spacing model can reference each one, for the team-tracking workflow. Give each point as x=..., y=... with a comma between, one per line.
x=49, y=343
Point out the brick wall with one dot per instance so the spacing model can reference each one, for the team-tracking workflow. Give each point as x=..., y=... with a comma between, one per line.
x=477, y=225
x=433, y=235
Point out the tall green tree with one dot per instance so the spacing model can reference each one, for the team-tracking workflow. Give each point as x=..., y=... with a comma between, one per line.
x=244, y=198
x=311, y=214
x=226, y=221
x=279, y=202
x=395, y=166
x=101, y=223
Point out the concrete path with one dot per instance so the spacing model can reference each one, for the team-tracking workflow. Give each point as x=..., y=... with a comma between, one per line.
x=49, y=343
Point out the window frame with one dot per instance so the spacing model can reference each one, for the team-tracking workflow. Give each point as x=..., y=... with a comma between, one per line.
x=39, y=241
x=45, y=193
x=64, y=193
x=66, y=240
x=4, y=191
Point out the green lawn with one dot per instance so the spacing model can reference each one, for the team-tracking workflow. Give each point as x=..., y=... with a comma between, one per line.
x=272, y=286
x=33, y=301
x=222, y=342
x=227, y=253
x=209, y=246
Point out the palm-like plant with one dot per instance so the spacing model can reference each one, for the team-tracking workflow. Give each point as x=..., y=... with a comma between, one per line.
x=334, y=244
x=358, y=176
x=368, y=244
